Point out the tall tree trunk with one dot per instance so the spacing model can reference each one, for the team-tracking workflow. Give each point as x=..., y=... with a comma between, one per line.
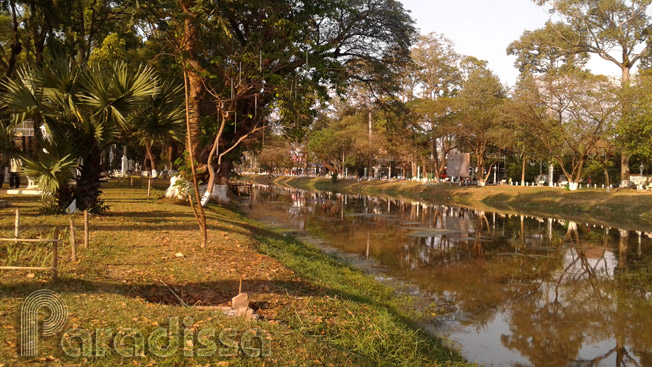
x=424, y=174
x=198, y=210
x=434, y=166
x=195, y=84
x=150, y=155
x=624, y=168
x=39, y=33
x=441, y=163
x=624, y=157
x=370, y=121
x=15, y=46
x=89, y=181
x=575, y=178
x=170, y=156
x=192, y=93
x=479, y=174
x=39, y=50
x=625, y=77
x=523, y=172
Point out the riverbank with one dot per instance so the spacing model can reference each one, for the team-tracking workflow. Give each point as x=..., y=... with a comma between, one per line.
x=144, y=267
x=626, y=208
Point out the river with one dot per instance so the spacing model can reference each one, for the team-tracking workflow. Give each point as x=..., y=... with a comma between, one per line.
x=509, y=290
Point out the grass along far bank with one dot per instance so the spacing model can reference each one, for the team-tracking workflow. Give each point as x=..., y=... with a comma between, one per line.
x=144, y=265
x=621, y=208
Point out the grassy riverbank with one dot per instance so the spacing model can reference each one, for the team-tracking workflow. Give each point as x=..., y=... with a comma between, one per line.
x=627, y=209
x=144, y=265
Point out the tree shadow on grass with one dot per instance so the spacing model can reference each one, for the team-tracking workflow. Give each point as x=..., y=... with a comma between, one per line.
x=162, y=214
x=210, y=293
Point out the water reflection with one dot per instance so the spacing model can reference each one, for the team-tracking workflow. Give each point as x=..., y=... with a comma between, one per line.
x=513, y=290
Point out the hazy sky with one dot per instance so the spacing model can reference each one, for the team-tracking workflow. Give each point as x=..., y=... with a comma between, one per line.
x=484, y=29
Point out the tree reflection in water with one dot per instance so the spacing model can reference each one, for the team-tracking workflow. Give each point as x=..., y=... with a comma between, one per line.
x=571, y=294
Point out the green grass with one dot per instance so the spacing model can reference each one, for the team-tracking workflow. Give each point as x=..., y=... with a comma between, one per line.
x=377, y=322
x=315, y=310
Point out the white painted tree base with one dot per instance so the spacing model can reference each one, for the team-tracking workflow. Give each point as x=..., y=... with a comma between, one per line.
x=572, y=186
x=72, y=208
x=178, y=189
x=218, y=194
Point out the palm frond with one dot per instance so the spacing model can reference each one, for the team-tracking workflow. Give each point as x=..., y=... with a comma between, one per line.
x=162, y=116
x=18, y=98
x=111, y=95
x=52, y=167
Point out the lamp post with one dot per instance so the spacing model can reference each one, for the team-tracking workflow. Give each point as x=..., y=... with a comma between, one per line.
x=641, y=168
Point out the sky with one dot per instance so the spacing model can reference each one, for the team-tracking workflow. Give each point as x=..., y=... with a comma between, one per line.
x=484, y=29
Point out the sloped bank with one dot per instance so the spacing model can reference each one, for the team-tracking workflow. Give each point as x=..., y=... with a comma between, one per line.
x=625, y=209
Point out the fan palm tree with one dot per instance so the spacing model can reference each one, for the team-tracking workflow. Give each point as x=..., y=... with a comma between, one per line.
x=80, y=106
x=160, y=119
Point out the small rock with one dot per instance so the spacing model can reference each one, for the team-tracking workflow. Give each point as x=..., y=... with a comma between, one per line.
x=240, y=302
x=178, y=254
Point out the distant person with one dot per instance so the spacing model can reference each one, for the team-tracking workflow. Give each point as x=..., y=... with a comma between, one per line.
x=14, y=173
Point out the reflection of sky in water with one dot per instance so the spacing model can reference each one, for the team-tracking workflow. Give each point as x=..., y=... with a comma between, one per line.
x=519, y=290
x=484, y=347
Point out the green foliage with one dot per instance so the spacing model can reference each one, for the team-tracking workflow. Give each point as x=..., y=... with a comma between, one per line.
x=555, y=46
x=595, y=171
x=330, y=145
x=515, y=168
x=572, y=114
x=343, y=140
x=52, y=169
x=637, y=133
x=160, y=119
x=113, y=49
x=275, y=62
x=436, y=63
x=84, y=109
x=479, y=124
x=591, y=26
x=275, y=155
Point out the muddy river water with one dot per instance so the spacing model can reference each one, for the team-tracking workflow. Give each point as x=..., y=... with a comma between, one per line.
x=510, y=290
